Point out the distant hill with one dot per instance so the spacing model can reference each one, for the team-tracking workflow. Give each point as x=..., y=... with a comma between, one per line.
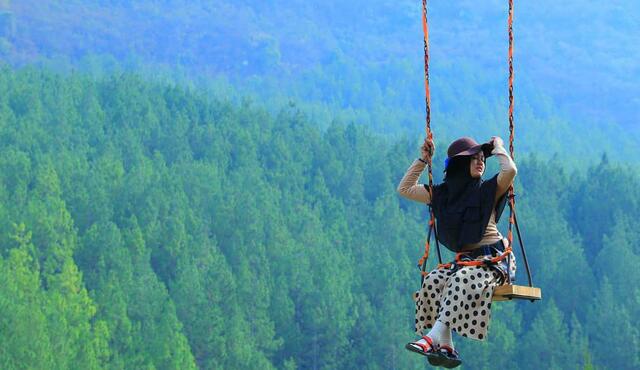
x=575, y=58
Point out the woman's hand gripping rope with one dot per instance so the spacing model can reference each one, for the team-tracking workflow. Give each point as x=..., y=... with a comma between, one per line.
x=427, y=149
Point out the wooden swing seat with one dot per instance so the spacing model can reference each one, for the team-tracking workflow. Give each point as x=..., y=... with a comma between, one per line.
x=508, y=292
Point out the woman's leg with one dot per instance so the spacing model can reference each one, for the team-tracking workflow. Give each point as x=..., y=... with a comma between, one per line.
x=428, y=299
x=441, y=334
x=466, y=302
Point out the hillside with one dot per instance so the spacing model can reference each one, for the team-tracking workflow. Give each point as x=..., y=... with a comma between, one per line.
x=146, y=225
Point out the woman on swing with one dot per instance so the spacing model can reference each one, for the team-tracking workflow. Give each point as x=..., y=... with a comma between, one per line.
x=467, y=210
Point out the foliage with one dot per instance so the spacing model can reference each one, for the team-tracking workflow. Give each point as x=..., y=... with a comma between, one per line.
x=147, y=225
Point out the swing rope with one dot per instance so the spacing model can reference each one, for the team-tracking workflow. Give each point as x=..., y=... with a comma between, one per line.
x=429, y=134
x=513, y=220
x=422, y=263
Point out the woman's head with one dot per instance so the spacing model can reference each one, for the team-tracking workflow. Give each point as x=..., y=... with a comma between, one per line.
x=466, y=167
x=466, y=159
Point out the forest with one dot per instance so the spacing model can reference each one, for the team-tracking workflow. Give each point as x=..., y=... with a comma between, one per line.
x=153, y=225
x=212, y=185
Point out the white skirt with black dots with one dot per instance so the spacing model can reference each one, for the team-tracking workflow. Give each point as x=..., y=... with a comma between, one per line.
x=461, y=299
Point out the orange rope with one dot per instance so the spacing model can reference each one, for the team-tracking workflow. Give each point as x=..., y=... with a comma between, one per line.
x=460, y=262
x=425, y=30
x=511, y=193
x=429, y=133
x=511, y=77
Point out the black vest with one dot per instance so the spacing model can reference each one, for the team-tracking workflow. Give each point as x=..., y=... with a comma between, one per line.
x=459, y=226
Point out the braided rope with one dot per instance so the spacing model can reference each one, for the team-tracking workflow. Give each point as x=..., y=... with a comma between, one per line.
x=512, y=199
x=460, y=262
x=513, y=221
x=511, y=77
x=429, y=133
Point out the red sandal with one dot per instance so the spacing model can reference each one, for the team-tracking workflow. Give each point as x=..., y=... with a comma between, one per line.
x=421, y=348
x=429, y=349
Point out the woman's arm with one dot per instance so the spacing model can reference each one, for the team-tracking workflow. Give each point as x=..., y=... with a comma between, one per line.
x=508, y=168
x=409, y=187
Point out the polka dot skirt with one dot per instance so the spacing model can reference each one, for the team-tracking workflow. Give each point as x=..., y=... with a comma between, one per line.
x=460, y=299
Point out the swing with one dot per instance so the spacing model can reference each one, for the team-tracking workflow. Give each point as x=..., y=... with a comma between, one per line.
x=507, y=291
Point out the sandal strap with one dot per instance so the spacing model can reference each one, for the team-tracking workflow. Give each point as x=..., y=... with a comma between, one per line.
x=449, y=350
x=425, y=347
x=428, y=340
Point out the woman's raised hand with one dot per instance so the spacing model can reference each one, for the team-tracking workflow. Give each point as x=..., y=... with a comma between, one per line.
x=496, y=141
x=428, y=148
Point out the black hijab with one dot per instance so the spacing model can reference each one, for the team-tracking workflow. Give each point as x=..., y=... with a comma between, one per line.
x=463, y=205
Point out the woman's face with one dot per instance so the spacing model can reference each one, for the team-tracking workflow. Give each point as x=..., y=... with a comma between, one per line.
x=477, y=165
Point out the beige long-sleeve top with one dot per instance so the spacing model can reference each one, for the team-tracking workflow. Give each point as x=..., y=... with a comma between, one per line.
x=411, y=189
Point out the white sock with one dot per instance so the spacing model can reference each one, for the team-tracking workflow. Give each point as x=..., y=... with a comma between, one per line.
x=441, y=334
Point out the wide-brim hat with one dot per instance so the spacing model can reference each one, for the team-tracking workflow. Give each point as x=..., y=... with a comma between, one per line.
x=468, y=146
